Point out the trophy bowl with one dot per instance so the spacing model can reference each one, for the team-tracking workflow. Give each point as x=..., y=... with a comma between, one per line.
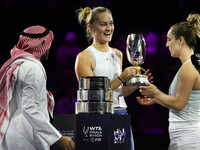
x=136, y=53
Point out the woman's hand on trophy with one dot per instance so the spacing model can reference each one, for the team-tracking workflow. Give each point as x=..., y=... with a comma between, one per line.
x=146, y=101
x=149, y=75
x=128, y=73
x=148, y=91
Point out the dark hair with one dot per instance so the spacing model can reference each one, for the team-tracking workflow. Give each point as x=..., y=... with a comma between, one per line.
x=188, y=29
x=89, y=16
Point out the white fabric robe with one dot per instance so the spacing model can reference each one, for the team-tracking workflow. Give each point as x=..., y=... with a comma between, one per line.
x=29, y=127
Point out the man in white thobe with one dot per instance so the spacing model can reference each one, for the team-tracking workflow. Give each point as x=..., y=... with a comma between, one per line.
x=24, y=100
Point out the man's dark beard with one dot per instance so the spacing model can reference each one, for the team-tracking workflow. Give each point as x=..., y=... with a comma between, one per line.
x=44, y=57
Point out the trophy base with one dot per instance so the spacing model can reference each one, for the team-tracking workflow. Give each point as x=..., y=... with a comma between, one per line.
x=138, y=80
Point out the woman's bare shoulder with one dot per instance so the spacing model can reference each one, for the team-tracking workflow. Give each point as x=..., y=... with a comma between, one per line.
x=189, y=71
x=85, y=54
x=117, y=51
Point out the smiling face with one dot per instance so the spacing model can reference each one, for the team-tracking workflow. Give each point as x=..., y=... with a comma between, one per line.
x=172, y=44
x=103, y=27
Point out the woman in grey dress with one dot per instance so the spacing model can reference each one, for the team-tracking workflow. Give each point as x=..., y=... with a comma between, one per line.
x=183, y=99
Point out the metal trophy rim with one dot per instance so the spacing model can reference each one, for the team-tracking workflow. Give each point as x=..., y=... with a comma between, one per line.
x=138, y=80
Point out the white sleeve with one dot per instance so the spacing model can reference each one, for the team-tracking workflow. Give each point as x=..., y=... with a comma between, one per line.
x=34, y=104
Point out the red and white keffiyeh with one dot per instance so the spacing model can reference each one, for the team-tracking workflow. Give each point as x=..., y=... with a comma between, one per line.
x=26, y=48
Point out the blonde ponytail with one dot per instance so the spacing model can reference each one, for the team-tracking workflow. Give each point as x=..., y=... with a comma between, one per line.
x=83, y=14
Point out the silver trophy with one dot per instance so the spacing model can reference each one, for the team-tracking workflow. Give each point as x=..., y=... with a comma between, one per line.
x=94, y=96
x=136, y=53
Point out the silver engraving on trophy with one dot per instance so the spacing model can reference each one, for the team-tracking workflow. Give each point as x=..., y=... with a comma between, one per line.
x=94, y=96
x=136, y=53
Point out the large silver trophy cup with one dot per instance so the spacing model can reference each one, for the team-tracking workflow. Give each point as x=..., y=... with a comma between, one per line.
x=136, y=53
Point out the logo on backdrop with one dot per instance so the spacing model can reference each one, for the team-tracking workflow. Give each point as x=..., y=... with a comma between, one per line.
x=92, y=133
x=119, y=136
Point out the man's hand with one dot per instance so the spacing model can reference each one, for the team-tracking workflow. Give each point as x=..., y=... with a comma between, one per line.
x=66, y=142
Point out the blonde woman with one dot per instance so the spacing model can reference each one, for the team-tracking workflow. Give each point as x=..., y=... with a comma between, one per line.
x=99, y=59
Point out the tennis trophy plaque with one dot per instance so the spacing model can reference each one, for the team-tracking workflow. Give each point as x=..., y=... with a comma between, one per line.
x=136, y=53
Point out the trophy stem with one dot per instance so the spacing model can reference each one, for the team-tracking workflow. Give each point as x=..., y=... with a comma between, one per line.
x=138, y=69
x=138, y=79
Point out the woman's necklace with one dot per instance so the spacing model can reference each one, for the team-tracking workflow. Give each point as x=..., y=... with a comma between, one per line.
x=106, y=55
